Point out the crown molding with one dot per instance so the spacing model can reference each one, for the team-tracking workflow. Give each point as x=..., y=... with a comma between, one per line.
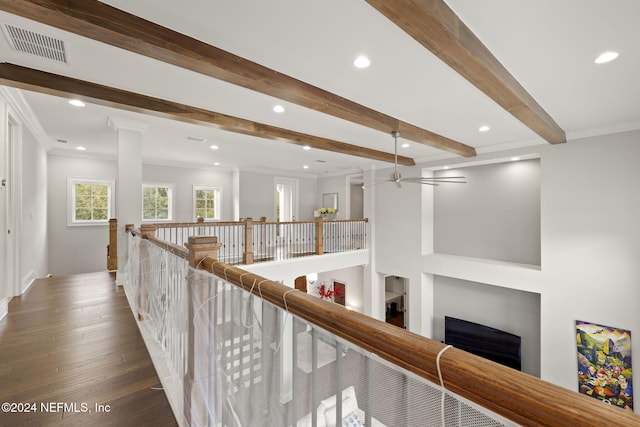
x=26, y=116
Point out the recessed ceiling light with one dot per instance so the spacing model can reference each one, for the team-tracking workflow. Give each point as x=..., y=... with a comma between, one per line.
x=214, y=147
x=483, y=128
x=606, y=57
x=406, y=145
x=278, y=109
x=515, y=159
x=80, y=148
x=361, y=62
x=306, y=147
x=445, y=167
x=305, y=167
x=76, y=103
x=216, y=164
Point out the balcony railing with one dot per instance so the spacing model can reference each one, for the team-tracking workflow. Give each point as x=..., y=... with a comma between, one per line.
x=249, y=241
x=249, y=351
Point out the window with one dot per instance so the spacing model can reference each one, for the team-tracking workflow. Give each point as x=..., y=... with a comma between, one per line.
x=90, y=201
x=207, y=202
x=156, y=202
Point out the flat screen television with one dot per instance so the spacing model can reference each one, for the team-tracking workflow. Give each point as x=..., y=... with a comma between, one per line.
x=484, y=341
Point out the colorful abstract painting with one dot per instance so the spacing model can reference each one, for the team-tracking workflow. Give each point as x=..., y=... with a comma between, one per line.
x=604, y=363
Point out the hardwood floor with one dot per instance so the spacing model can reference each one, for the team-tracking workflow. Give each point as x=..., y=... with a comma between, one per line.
x=71, y=353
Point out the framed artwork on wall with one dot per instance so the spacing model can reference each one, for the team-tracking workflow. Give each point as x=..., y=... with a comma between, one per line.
x=604, y=363
x=330, y=200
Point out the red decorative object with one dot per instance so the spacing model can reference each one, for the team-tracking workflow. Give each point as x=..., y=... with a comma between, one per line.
x=328, y=293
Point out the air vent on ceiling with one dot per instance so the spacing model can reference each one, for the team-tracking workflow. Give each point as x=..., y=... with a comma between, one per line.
x=33, y=43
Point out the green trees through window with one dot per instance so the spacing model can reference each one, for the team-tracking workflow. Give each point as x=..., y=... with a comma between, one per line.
x=206, y=201
x=91, y=201
x=156, y=202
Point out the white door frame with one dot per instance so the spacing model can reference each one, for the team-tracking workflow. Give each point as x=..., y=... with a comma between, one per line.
x=292, y=184
x=11, y=137
x=4, y=192
x=359, y=177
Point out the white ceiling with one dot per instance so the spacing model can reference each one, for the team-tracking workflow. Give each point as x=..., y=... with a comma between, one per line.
x=549, y=46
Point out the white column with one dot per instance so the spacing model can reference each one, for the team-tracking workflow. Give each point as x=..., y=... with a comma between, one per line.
x=129, y=182
x=373, y=288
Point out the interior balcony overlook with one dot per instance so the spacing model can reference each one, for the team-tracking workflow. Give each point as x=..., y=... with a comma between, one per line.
x=231, y=348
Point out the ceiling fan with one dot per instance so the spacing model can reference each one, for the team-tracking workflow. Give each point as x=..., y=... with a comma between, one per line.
x=435, y=181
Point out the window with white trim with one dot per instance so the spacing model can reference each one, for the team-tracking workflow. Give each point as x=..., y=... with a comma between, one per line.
x=207, y=202
x=157, y=202
x=90, y=201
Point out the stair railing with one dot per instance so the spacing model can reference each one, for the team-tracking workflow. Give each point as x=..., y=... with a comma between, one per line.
x=311, y=360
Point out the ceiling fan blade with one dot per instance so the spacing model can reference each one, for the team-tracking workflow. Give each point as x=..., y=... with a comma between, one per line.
x=384, y=181
x=441, y=178
x=450, y=180
x=433, y=184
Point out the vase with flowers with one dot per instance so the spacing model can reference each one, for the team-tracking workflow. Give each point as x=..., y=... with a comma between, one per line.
x=327, y=213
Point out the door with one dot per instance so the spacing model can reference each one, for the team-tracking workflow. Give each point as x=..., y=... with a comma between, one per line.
x=286, y=199
x=300, y=283
x=286, y=207
x=395, y=296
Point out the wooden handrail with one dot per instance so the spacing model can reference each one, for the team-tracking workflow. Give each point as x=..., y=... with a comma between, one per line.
x=177, y=250
x=224, y=223
x=520, y=397
x=195, y=224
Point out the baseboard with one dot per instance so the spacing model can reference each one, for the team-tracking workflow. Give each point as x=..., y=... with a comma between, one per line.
x=4, y=307
x=27, y=281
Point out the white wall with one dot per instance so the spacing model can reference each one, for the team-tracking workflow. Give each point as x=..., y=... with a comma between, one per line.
x=258, y=195
x=183, y=180
x=74, y=249
x=82, y=249
x=356, y=202
x=590, y=246
x=495, y=215
x=399, y=231
x=27, y=177
x=333, y=184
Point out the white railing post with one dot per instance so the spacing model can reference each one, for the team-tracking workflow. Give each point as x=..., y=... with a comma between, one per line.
x=146, y=231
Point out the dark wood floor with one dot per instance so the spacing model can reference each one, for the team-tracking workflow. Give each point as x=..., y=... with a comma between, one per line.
x=73, y=340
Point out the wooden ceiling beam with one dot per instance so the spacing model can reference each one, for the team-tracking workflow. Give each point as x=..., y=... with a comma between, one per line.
x=435, y=26
x=106, y=24
x=67, y=87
